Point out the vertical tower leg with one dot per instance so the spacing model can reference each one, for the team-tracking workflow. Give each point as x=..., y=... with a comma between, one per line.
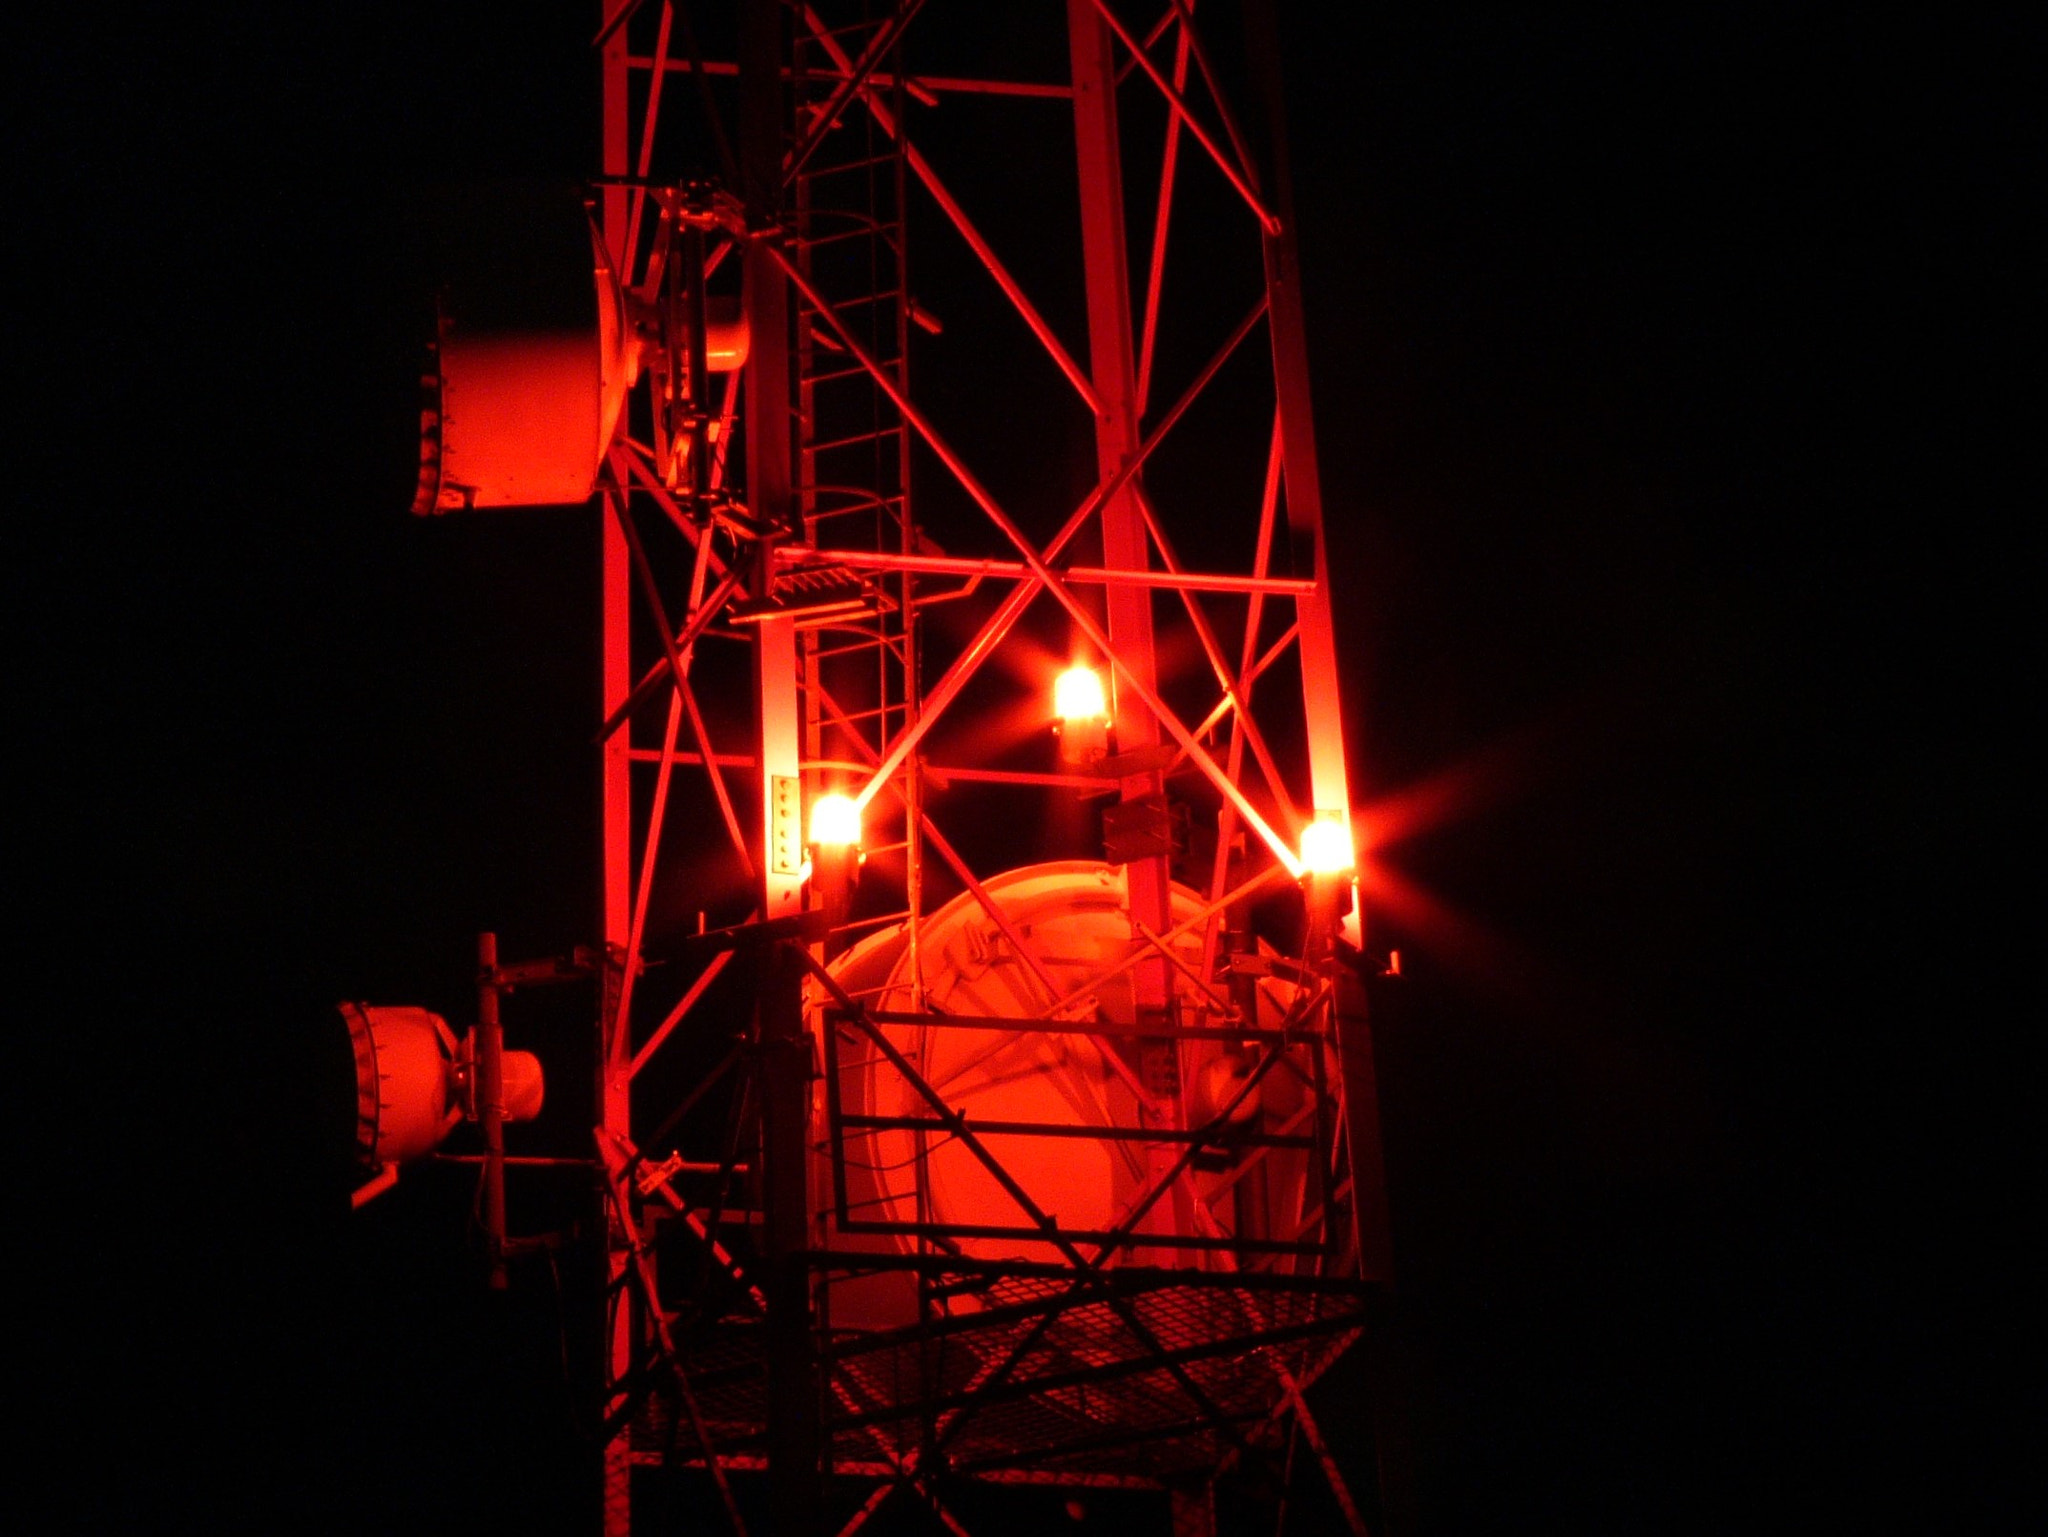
x=614, y=1046
x=785, y=1092
x=793, y=1398
x=1328, y=784
x=615, y=858
x=1141, y=797
x=793, y=1392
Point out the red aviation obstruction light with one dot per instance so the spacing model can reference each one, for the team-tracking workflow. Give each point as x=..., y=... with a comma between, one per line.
x=1077, y=695
x=1046, y=1151
x=1082, y=716
x=835, y=822
x=835, y=853
x=1329, y=866
x=1326, y=847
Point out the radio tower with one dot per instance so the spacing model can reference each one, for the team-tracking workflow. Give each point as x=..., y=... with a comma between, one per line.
x=985, y=1090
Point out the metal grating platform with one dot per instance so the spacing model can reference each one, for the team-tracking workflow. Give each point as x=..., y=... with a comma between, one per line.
x=1141, y=1377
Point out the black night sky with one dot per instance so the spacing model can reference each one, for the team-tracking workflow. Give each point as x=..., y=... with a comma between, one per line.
x=1665, y=378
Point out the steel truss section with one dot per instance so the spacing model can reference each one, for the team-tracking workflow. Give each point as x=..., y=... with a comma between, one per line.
x=813, y=474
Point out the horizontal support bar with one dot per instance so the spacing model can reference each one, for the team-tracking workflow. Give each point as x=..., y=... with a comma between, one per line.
x=727, y=760
x=747, y=1462
x=912, y=83
x=1117, y=576
x=939, y=774
x=1125, y=1280
x=1056, y=1129
x=1089, y=1027
x=1117, y=1239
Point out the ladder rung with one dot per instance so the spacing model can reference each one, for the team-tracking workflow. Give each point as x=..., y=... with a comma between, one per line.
x=877, y=233
x=841, y=373
x=863, y=301
x=868, y=29
x=868, y=498
x=816, y=172
x=853, y=442
x=860, y=509
x=852, y=371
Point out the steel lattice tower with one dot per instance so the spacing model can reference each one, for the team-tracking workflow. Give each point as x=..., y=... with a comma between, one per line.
x=1027, y=1133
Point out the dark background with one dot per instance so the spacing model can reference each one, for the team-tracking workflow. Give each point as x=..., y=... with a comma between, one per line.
x=1665, y=367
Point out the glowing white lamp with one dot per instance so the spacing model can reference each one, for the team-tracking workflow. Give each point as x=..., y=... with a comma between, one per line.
x=835, y=821
x=1083, y=716
x=1328, y=865
x=1326, y=847
x=1077, y=695
x=835, y=854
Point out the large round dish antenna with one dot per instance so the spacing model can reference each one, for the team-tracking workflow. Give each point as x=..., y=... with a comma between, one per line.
x=1073, y=1079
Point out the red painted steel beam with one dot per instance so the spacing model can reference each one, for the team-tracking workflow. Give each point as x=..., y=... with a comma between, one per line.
x=1162, y=220
x=917, y=85
x=1245, y=723
x=677, y=1014
x=1131, y=1282
x=983, y=1126
x=1036, y=1025
x=1099, y=161
x=698, y=622
x=641, y=1270
x=976, y=242
x=615, y=779
x=1083, y=620
x=988, y=904
x=1329, y=782
x=1331, y=1471
x=1222, y=707
x=649, y=118
x=998, y=625
x=852, y=80
x=795, y=1444
x=678, y=672
x=1236, y=175
x=1013, y=570
x=1184, y=10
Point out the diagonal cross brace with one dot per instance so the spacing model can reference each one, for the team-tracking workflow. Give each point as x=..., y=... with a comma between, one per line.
x=957, y=1125
x=1084, y=621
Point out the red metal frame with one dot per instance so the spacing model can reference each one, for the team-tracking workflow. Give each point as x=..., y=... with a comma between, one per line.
x=814, y=110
